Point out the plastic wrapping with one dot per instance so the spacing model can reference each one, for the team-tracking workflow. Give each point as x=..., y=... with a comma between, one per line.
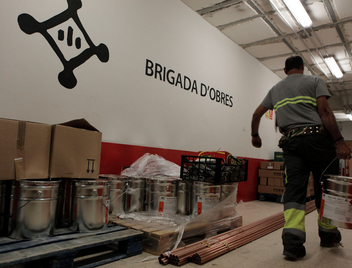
x=163, y=233
x=167, y=231
x=150, y=165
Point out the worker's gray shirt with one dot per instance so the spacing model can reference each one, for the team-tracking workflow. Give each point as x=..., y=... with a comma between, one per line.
x=294, y=100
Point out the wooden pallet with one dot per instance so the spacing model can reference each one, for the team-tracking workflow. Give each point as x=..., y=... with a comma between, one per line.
x=72, y=249
x=158, y=239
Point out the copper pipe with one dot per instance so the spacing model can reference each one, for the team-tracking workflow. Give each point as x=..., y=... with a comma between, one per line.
x=232, y=239
x=273, y=224
x=232, y=244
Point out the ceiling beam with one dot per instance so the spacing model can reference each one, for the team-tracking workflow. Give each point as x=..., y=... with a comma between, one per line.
x=273, y=27
x=279, y=38
x=219, y=6
x=338, y=29
x=300, y=51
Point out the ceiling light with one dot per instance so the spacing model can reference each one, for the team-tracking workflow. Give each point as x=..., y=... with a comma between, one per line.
x=299, y=12
x=349, y=116
x=333, y=67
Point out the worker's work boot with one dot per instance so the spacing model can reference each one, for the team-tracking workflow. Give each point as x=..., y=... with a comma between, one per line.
x=330, y=240
x=293, y=255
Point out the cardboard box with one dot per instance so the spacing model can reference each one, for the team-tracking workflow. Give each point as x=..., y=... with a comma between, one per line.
x=311, y=182
x=75, y=150
x=271, y=173
x=279, y=190
x=310, y=191
x=271, y=165
x=25, y=150
x=275, y=182
x=271, y=189
x=263, y=181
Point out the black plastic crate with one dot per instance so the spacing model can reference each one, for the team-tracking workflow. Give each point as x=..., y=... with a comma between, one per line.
x=212, y=170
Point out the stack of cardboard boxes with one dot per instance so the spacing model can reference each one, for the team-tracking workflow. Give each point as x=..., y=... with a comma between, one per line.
x=32, y=150
x=271, y=179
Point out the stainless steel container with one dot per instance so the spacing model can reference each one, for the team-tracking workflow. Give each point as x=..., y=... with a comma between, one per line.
x=90, y=211
x=183, y=198
x=336, y=203
x=117, y=194
x=227, y=190
x=33, y=208
x=64, y=204
x=135, y=194
x=204, y=197
x=161, y=195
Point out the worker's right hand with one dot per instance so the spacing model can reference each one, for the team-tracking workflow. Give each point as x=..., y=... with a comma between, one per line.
x=257, y=142
x=343, y=151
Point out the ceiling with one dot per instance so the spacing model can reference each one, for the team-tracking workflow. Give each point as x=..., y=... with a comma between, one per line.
x=257, y=27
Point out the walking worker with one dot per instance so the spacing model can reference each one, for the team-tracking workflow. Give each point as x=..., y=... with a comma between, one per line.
x=311, y=142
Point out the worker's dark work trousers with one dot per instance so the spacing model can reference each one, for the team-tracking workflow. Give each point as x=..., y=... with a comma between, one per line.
x=303, y=154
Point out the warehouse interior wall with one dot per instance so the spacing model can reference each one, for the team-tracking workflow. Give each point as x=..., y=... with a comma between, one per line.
x=346, y=130
x=152, y=76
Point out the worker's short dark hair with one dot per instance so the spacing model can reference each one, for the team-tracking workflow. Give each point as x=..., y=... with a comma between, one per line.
x=293, y=62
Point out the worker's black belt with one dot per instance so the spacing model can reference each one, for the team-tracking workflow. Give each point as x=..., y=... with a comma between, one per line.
x=301, y=131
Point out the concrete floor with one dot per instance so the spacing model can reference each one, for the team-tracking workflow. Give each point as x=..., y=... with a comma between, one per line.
x=266, y=251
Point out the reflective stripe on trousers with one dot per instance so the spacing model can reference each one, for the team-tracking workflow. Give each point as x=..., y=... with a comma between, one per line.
x=294, y=232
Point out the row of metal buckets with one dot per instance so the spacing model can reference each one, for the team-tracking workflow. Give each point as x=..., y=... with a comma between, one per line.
x=34, y=209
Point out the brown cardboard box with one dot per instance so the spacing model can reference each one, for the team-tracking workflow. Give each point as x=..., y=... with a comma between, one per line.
x=275, y=182
x=279, y=190
x=271, y=189
x=271, y=173
x=25, y=150
x=310, y=191
x=263, y=181
x=311, y=182
x=75, y=150
x=271, y=165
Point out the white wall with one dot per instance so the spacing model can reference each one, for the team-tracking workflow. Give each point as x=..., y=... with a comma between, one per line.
x=117, y=97
x=347, y=130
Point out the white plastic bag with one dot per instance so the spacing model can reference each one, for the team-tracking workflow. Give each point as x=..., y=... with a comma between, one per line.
x=152, y=165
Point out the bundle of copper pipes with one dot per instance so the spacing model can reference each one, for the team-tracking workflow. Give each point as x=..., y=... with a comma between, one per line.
x=205, y=250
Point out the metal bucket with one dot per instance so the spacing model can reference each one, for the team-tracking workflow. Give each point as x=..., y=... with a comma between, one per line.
x=336, y=203
x=64, y=204
x=204, y=197
x=117, y=194
x=33, y=208
x=161, y=195
x=135, y=194
x=183, y=198
x=90, y=210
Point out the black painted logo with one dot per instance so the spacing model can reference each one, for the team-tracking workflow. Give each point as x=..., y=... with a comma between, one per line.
x=30, y=25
